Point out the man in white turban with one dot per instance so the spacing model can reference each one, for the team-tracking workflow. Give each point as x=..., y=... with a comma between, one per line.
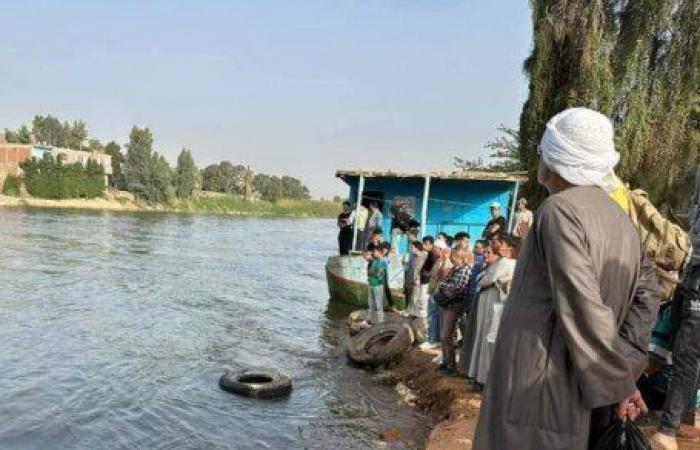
x=576, y=327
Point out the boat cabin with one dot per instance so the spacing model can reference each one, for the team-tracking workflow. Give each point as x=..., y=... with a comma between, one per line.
x=448, y=202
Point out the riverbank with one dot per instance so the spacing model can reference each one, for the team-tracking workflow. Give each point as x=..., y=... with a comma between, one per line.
x=445, y=399
x=455, y=409
x=206, y=204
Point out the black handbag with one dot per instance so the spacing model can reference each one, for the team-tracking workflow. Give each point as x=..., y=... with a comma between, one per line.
x=441, y=299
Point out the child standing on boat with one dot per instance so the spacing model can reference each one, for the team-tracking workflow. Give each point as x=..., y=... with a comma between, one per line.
x=376, y=278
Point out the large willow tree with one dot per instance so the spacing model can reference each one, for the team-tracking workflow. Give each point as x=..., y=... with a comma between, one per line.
x=637, y=61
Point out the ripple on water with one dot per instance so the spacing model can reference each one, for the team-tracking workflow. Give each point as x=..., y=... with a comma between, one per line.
x=116, y=329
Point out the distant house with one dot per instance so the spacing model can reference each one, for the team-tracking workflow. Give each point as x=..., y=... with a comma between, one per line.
x=11, y=155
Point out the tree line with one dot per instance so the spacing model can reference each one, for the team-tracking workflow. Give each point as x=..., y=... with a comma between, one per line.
x=147, y=174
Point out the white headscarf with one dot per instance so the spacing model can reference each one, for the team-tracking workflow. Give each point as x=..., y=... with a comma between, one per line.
x=578, y=145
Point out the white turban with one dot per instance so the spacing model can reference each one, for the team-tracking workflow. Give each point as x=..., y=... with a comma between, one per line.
x=578, y=145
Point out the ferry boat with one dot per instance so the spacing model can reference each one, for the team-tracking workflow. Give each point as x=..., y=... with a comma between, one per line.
x=440, y=202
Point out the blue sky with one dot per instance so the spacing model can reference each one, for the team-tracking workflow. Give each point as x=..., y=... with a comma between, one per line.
x=294, y=87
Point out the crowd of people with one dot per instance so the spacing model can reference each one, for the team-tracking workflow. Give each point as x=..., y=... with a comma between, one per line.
x=552, y=319
x=457, y=288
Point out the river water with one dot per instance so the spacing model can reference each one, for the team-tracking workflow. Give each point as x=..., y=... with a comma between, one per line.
x=116, y=328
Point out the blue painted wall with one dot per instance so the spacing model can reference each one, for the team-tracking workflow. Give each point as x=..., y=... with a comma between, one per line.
x=464, y=205
x=455, y=205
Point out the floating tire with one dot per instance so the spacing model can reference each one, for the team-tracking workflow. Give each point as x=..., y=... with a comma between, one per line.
x=257, y=383
x=380, y=344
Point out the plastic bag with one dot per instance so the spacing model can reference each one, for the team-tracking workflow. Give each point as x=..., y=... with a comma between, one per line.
x=623, y=435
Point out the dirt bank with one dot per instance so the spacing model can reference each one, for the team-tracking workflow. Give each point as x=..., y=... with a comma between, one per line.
x=452, y=406
x=446, y=399
x=107, y=203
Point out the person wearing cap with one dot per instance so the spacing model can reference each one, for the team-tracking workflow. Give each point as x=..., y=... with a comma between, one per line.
x=497, y=225
x=574, y=333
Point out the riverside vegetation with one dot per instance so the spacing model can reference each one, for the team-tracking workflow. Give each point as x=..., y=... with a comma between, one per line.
x=636, y=62
x=155, y=185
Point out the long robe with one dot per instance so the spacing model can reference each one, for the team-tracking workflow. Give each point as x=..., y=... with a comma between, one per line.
x=490, y=297
x=575, y=328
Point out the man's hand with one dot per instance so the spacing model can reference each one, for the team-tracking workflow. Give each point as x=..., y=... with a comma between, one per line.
x=632, y=406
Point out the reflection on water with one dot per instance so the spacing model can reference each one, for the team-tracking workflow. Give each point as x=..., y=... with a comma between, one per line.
x=116, y=328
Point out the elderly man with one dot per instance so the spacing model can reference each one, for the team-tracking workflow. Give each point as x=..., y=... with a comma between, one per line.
x=575, y=329
x=678, y=417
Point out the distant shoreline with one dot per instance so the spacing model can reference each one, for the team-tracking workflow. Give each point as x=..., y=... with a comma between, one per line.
x=220, y=204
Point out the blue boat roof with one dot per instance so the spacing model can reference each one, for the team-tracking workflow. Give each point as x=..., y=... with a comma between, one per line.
x=458, y=175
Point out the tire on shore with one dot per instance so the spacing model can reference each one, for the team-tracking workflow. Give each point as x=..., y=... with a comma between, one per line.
x=380, y=344
x=257, y=382
x=356, y=318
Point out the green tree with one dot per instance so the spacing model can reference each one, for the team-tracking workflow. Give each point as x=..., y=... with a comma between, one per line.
x=293, y=188
x=639, y=63
x=187, y=174
x=21, y=136
x=48, y=130
x=226, y=177
x=211, y=179
x=138, y=163
x=116, y=180
x=24, y=136
x=160, y=187
x=504, y=154
x=269, y=187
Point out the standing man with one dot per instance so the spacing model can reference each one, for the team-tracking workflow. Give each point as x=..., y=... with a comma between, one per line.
x=374, y=220
x=678, y=417
x=360, y=223
x=522, y=220
x=574, y=333
x=497, y=225
x=345, y=229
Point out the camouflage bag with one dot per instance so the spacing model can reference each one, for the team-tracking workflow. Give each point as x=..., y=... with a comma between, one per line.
x=665, y=243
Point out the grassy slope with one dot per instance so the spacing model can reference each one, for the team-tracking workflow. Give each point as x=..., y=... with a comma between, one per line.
x=218, y=204
x=227, y=204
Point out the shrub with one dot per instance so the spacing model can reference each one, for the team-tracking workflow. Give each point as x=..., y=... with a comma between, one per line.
x=50, y=178
x=11, y=186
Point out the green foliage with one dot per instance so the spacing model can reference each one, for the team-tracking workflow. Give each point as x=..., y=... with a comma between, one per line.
x=272, y=188
x=50, y=178
x=116, y=180
x=139, y=160
x=187, y=174
x=21, y=136
x=147, y=174
x=231, y=204
x=11, y=186
x=49, y=130
x=225, y=177
x=160, y=189
x=504, y=155
x=636, y=61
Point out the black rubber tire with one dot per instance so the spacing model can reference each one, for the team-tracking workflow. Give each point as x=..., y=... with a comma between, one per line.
x=380, y=344
x=257, y=382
